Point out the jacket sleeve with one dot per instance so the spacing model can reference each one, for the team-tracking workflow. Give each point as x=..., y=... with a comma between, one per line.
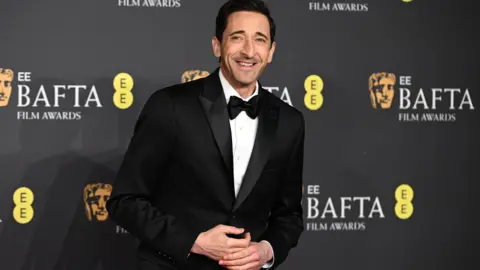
x=285, y=223
x=147, y=155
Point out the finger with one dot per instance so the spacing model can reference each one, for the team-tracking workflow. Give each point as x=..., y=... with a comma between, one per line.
x=251, y=265
x=233, y=250
x=248, y=237
x=251, y=258
x=240, y=254
x=230, y=229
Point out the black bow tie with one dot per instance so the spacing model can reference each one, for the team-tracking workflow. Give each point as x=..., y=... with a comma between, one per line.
x=237, y=105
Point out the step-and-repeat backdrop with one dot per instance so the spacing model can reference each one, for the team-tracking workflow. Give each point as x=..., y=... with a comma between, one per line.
x=388, y=89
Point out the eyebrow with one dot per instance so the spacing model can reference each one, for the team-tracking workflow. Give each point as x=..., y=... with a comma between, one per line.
x=243, y=32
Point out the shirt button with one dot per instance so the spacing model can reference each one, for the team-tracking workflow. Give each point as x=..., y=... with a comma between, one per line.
x=241, y=128
x=238, y=157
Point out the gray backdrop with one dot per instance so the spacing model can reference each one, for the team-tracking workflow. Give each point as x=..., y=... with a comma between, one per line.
x=356, y=154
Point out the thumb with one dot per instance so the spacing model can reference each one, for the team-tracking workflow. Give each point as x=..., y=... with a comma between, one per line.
x=248, y=237
x=231, y=229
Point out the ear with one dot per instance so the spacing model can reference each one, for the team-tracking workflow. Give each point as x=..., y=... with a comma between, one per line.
x=217, y=49
x=270, y=53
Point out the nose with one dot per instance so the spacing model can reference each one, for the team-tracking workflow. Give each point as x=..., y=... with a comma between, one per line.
x=248, y=48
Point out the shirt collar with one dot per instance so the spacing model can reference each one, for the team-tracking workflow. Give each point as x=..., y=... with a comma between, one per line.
x=229, y=91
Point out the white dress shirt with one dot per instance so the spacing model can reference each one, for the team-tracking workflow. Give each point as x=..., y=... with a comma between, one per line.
x=243, y=130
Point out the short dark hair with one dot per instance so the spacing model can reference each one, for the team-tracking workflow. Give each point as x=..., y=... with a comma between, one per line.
x=242, y=5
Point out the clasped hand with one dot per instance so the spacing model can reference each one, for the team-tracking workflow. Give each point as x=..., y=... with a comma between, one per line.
x=231, y=253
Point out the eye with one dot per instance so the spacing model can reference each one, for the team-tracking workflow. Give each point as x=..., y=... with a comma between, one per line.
x=261, y=40
x=235, y=37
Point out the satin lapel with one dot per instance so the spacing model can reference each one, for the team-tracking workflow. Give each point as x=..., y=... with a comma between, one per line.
x=214, y=105
x=267, y=126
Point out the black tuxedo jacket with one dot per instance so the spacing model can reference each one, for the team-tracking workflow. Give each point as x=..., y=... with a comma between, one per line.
x=176, y=178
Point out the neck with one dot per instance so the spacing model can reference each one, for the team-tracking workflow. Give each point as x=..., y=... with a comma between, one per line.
x=244, y=90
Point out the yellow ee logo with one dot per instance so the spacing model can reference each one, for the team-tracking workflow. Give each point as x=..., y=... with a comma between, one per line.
x=313, y=98
x=23, y=200
x=123, y=85
x=404, y=197
x=407, y=1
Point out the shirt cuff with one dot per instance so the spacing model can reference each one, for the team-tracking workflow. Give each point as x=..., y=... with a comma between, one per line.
x=269, y=264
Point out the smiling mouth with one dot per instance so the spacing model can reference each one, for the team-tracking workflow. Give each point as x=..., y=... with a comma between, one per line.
x=246, y=65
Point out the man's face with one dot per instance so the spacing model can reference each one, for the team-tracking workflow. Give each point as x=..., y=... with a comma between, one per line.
x=98, y=204
x=5, y=87
x=245, y=48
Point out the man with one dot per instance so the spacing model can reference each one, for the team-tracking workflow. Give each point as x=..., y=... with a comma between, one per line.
x=212, y=178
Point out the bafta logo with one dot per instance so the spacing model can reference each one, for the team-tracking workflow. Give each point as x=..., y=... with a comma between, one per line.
x=95, y=197
x=381, y=88
x=6, y=78
x=191, y=75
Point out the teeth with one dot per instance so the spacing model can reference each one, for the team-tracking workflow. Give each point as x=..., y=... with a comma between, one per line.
x=245, y=64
